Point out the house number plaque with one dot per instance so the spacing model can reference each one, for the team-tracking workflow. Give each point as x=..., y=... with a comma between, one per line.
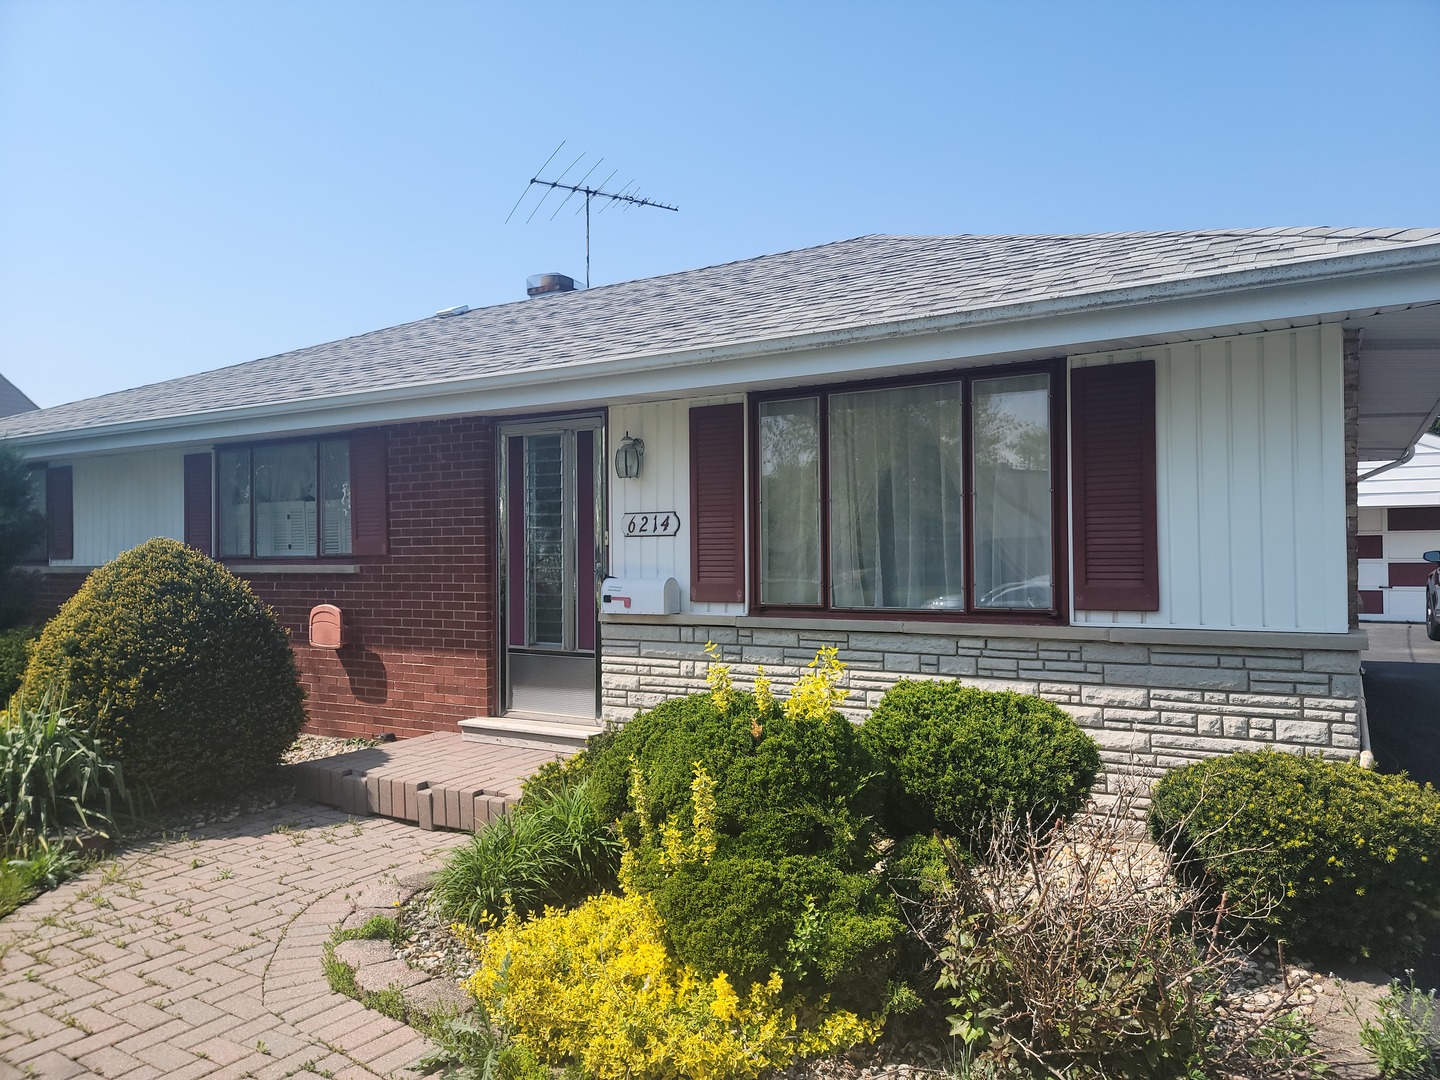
x=653, y=523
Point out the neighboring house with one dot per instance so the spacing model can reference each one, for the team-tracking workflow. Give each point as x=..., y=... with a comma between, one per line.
x=1399, y=522
x=12, y=401
x=1117, y=470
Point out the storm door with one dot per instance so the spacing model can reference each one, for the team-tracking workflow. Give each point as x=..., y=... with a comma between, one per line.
x=551, y=512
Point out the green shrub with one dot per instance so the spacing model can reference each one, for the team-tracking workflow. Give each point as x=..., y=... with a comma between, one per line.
x=1340, y=861
x=784, y=785
x=14, y=655
x=53, y=780
x=552, y=849
x=800, y=915
x=182, y=674
x=954, y=757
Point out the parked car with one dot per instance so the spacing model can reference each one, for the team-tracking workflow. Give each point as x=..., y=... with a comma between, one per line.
x=1432, y=597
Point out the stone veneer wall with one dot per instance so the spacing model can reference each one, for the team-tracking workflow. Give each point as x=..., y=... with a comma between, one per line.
x=1150, y=704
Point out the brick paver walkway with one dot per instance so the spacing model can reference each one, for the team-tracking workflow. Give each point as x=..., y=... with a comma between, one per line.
x=201, y=956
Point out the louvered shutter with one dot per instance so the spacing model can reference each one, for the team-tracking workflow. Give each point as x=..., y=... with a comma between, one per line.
x=369, y=508
x=199, y=517
x=1113, y=445
x=717, y=503
x=60, y=512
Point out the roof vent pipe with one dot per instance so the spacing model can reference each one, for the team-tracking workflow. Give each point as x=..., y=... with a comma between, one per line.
x=543, y=284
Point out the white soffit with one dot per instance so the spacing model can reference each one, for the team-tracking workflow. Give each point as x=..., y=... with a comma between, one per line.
x=1399, y=379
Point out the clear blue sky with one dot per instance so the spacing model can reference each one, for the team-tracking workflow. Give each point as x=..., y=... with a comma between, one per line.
x=190, y=184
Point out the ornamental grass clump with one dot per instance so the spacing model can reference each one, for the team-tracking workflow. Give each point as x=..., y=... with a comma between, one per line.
x=54, y=781
x=1339, y=861
x=177, y=669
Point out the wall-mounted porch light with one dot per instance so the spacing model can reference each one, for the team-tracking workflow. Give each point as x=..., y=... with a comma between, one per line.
x=627, y=458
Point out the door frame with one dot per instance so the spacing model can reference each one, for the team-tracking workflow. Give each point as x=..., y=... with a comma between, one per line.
x=596, y=421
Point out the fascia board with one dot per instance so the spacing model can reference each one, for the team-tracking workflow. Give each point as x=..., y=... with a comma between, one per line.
x=1051, y=328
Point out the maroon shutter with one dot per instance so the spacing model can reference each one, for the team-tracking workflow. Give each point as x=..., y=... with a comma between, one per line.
x=717, y=503
x=60, y=511
x=1117, y=567
x=369, y=509
x=199, y=517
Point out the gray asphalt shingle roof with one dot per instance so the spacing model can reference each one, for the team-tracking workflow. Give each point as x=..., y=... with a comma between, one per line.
x=865, y=282
x=12, y=400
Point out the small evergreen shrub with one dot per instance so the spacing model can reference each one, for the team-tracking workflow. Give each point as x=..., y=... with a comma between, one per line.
x=955, y=757
x=800, y=915
x=784, y=785
x=181, y=673
x=53, y=779
x=594, y=989
x=551, y=849
x=1340, y=861
x=14, y=655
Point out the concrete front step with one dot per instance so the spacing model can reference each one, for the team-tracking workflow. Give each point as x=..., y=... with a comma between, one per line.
x=561, y=736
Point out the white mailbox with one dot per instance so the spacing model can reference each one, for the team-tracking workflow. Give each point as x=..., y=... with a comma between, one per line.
x=640, y=596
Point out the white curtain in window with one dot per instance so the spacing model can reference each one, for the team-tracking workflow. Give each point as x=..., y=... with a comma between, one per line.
x=1012, y=493
x=896, y=508
x=232, y=485
x=285, y=499
x=790, y=502
x=335, y=492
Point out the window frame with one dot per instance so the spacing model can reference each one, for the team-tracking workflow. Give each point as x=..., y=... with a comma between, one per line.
x=249, y=448
x=1059, y=613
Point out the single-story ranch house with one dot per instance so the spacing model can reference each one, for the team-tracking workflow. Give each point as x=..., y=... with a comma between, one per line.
x=1117, y=470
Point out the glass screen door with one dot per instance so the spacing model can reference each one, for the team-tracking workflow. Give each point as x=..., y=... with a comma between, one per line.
x=551, y=512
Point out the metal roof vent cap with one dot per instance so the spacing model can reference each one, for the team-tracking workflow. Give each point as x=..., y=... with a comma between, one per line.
x=543, y=284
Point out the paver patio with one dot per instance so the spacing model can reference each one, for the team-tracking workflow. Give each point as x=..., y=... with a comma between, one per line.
x=201, y=956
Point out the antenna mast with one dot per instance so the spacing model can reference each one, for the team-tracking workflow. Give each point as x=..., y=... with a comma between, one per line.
x=625, y=197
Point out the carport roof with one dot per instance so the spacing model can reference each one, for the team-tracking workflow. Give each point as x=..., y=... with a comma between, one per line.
x=900, y=283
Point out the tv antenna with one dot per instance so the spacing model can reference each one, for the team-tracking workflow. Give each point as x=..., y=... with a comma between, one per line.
x=626, y=197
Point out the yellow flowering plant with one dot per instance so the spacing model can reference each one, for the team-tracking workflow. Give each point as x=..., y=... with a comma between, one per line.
x=595, y=987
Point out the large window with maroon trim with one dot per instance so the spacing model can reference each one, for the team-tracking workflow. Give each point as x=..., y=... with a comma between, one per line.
x=935, y=495
x=296, y=499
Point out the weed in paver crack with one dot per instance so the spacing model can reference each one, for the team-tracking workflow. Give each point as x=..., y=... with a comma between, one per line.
x=260, y=1045
x=225, y=874
x=71, y=1022
x=196, y=864
x=31, y=976
x=388, y=1002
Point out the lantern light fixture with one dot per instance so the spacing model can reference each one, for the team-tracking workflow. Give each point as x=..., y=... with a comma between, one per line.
x=627, y=458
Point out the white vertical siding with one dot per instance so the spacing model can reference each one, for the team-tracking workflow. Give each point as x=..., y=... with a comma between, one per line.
x=1251, y=473
x=663, y=484
x=122, y=500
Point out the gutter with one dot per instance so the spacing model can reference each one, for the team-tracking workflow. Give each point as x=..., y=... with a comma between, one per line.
x=1345, y=269
x=1404, y=458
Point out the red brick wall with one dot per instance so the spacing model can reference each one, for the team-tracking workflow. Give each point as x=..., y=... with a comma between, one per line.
x=420, y=621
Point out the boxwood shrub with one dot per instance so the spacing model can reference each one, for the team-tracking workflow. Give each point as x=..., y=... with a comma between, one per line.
x=1339, y=861
x=183, y=675
x=954, y=756
x=784, y=785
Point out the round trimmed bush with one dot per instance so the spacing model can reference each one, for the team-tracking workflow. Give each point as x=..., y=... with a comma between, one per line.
x=784, y=785
x=183, y=675
x=954, y=757
x=1340, y=861
x=800, y=915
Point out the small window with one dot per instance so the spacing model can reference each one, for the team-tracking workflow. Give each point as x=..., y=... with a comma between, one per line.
x=285, y=500
x=40, y=551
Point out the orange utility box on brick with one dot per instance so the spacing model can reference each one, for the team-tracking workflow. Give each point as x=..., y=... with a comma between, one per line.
x=327, y=627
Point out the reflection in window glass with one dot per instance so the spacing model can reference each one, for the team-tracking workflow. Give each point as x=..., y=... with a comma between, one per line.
x=790, y=502
x=284, y=499
x=1012, y=493
x=232, y=487
x=335, y=494
x=896, y=508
